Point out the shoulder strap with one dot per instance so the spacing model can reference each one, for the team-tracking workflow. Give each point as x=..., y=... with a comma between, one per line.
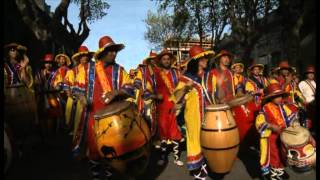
x=311, y=86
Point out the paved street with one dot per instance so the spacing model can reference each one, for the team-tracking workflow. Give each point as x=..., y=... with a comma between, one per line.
x=54, y=162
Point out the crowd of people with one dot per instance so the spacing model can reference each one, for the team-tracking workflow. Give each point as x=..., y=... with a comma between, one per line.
x=171, y=97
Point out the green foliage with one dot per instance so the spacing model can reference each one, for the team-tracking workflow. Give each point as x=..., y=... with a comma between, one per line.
x=92, y=10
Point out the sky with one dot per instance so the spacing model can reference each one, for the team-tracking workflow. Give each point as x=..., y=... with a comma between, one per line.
x=123, y=23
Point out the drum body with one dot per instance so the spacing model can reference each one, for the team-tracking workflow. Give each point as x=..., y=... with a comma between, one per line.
x=20, y=110
x=219, y=138
x=243, y=110
x=299, y=148
x=7, y=152
x=122, y=137
x=52, y=105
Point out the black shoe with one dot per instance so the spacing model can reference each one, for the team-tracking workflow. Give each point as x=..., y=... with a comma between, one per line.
x=200, y=174
x=285, y=175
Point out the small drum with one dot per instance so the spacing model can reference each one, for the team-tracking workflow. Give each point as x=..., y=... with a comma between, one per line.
x=299, y=148
x=52, y=105
x=219, y=138
x=122, y=137
x=243, y=110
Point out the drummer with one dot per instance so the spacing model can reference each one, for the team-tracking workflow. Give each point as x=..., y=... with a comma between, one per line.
x=49, y=110
x=295, y=99
x=79, y=89
x=256, y=83
x=274, y=117
x=144, y=83
x=166, y=81
x=16, y=66
x=239, y=80
x=189, y=94
x=220, y=80
x=308, y=89
x=107, y=80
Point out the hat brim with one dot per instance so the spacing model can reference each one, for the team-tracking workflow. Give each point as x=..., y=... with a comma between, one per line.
x=7, y=46
x=287, y=68
x=203, y=54
x=223, y=54
x=237, y=64
x=67, y=58
x=173, y=58
x=115, y=47
x=76, y=56
x=256, y=65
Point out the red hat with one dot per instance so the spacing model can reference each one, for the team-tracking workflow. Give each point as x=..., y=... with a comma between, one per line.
x=274, y=89
x=152, y=55
x=223, y=53
x=197, y=52
x=48, y=58
x=310, y=69
x=165, y=52
x=285, y=65
x=106, y=43
x=83, y=50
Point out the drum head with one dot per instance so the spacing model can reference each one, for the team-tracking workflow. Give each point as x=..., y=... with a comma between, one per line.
x=240, y=100
x=295, y=136
x=218, y=107
x=112, y=109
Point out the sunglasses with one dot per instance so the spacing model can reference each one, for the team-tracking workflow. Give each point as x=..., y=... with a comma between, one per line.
x=13, y=50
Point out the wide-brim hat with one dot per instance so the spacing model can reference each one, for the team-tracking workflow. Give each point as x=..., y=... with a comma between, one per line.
x=106, y=43
x=223, y=53
x=82, y=51
x=68, y=61
x=237, y=64
x=285, y=65
x=274, y=90
x=152, y=55
x=16, y=46
x=197, y=52
x=261, y=66
x=166, y=52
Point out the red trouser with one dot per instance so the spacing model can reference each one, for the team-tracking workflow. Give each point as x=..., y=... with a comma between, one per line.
x=276, y=159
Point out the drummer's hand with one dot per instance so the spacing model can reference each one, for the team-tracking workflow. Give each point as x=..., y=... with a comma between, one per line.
x=83, y=100
x=24, y=62
x=188, y=86
x=274, y=127
x=108, y=97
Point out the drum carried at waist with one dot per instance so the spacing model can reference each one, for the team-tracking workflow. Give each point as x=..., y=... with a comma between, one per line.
x=219, y=138
x=20, y=109
x=122, y=136
x=243, y=110
x=299, y=147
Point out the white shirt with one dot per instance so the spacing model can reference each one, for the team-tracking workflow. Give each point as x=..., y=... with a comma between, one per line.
x=306, y=90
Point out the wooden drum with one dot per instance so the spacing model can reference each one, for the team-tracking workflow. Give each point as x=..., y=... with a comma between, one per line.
x=20, y=109
x=219, y=138
x=122, y=137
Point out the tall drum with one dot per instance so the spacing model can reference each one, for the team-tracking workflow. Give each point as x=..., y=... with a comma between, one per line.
x=122, y=137
x=219, y=138
x=20, y=111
